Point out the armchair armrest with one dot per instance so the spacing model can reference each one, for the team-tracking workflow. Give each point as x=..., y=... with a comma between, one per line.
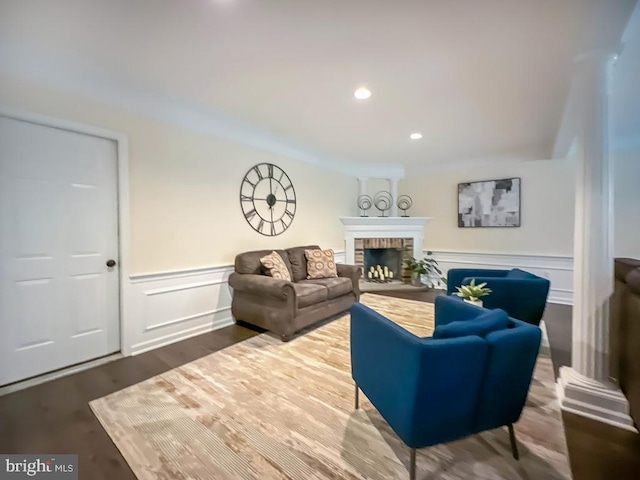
x=262, y=285
x=452, y=309
x=354, y=273
x=456, y=275
x=522, y=298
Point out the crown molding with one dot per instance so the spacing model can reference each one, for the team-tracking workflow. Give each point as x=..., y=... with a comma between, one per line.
x=80, y=79
x=471, y=163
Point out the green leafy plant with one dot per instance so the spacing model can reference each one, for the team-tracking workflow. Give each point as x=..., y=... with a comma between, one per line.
x=427, y=266
x=472, y=291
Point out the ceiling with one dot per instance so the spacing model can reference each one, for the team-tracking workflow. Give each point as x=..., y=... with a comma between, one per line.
x=481, y=80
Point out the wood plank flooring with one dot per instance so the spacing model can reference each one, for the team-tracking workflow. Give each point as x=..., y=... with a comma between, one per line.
x=55, y=417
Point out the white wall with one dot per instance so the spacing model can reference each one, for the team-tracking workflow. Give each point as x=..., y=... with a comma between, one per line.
x=185, y=218
x=625, y=118
x=627, y=203
x=185, y=208
x=547, y=207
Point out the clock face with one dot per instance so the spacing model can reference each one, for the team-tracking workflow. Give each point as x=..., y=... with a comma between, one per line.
x=268, y=199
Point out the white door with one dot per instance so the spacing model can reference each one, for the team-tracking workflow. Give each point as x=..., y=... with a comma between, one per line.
x=59, y=301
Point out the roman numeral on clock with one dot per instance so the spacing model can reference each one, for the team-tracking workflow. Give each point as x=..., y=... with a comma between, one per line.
x=289, y=214
x=250, y=214
x=270, y=170
x=258, y=172
x=246, y=198
x=260, y=225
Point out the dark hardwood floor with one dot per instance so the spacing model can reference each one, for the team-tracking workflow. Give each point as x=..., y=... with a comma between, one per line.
x=55, y=417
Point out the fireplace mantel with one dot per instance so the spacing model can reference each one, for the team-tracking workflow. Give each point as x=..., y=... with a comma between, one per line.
x=383, y=227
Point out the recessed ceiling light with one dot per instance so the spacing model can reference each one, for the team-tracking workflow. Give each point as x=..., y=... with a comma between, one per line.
x=362, y=93
x=415, y=136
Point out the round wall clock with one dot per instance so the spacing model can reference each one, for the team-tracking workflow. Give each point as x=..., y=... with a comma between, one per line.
x=268, y=199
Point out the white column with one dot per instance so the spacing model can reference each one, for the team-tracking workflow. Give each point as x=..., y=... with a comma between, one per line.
x=393, y=189
x=585, y=387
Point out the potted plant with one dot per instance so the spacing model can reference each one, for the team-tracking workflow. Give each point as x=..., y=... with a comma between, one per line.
x=427, y=266
x=472, y=293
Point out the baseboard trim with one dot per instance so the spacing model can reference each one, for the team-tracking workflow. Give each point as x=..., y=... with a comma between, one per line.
x=168, y=307
x=64, y=372
x=165, y=340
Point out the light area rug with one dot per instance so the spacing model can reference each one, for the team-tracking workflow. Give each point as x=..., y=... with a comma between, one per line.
x=263, y=409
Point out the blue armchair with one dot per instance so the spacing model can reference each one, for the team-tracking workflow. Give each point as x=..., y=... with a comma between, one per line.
x=473, y=375
x=521, y=294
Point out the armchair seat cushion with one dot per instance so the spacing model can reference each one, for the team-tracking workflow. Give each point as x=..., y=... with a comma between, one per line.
x=310, y=294
x=481, y=326
x=336, y=287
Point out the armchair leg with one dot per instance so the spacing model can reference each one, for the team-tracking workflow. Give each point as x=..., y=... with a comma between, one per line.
x=514, y=445
x=412, y=465
x=357, y=397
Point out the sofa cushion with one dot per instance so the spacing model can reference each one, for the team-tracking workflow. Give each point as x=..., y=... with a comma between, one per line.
x=309, y=294
x=320, y=264
x=249, y=262
x=298, y=261
x=275, y=267
x=519, y=274
x=336, y=286
x=481, y=326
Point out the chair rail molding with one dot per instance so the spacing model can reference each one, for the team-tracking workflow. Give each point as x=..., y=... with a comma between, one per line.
x=171, y=306
x=166, y=307
x=557, y=269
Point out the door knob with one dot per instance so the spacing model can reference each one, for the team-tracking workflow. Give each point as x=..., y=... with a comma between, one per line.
x=111, y=263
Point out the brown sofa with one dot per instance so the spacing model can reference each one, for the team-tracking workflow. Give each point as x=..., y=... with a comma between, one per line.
x=625, y=332
x=284, y=307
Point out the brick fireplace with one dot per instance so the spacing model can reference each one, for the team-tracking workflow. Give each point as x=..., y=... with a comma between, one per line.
x=389, y=252
x=389, y=240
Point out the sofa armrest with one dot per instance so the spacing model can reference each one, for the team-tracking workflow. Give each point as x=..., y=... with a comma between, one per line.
x=354, y=273
x=262, y=285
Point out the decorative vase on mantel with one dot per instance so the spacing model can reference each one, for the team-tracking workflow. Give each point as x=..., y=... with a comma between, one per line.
x=416, y=279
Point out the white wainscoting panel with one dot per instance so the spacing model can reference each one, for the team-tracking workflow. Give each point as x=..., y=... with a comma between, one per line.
x=559, y=270
x=169, y=307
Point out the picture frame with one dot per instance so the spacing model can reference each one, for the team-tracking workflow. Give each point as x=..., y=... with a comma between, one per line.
x=490, y=203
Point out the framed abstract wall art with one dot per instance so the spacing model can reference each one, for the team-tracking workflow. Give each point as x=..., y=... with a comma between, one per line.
x=489, y=203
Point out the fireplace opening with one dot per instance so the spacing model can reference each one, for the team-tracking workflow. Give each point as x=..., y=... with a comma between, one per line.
x=382, y=264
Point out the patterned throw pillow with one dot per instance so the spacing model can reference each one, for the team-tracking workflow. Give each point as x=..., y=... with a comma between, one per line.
x=275, y=267
x=320, y=264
